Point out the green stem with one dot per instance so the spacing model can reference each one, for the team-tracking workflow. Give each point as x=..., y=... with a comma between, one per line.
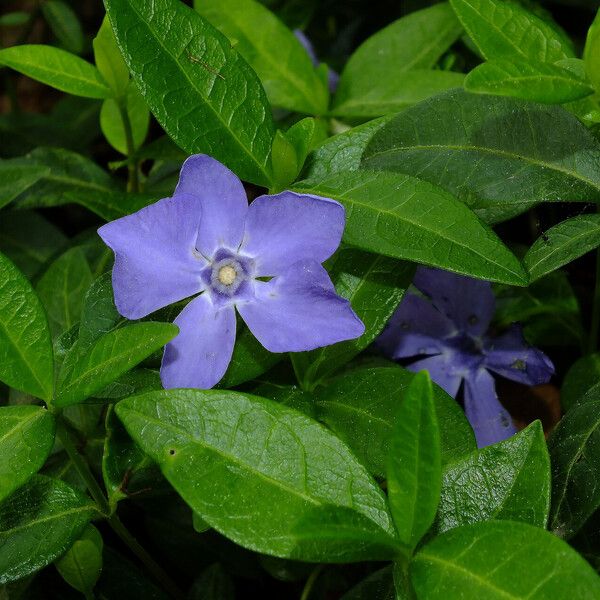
x=595, y=325
x=133, y=181
x=310, y=582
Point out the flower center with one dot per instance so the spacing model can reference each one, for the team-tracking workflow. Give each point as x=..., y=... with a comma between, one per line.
x=227, y=274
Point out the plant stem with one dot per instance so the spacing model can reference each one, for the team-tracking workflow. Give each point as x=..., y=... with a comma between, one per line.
x=595, y=325
x=310, y=582
x=133, y=182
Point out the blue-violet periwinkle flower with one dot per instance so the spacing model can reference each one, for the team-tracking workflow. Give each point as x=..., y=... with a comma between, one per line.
x=263, y=259
x=446, y=332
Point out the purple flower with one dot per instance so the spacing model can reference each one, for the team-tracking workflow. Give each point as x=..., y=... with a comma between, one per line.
x=263, y=259
x=332, y=77
x=448, y=335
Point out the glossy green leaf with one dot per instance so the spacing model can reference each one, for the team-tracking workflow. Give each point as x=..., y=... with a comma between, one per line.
x=272, y=50
x=81, y=566
x=582, y=375
x=591, y=53
x=404, y=217
x=374, y=285
x=26, y=439
x=64, y=24
x=508, y=481
x=506, y=30
x=211, y=101
x=562, y=244
x=499, y=155
x=414, y=463
x=413, y=44
x=62, y=288
x=25, y=344
x=111, y=120
x=133, y=382
x=57, y=68
x=575, y=455
x=109, y=61
x=536, y=81
x=292, y=396
x=113, y=354
x=16, y=177
x=501, y=560
x=38, y=523
x=281, y=484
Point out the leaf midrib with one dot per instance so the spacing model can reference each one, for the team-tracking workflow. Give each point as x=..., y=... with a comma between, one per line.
x=22, y=422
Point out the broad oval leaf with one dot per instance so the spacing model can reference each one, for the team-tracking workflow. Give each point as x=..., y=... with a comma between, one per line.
x=414, y=462
x=26, y=439
x=575, y=455
x=500, y=560
x=499, y=155
x=38, y=523
x=404, y=217
x=509, y=481
x=116, y=352
x=374, y=286
x=198, y=87
x=280, y=483
x=25, y=346
x=272, y=50
x=16, y=177
x=360, y=406
x=536, y=81
x=506, y=30
x=562, y=244
x=57, y=68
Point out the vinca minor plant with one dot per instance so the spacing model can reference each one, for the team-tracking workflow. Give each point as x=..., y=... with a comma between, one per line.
x=300, y=300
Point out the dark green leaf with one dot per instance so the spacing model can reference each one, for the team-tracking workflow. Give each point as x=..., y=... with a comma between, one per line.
x=16, y=177
x=499, y=155
x=562, y=244
x=25, y=344
x=26, y=439
x=14, y=19
x=288, y=395
x=500, y=560
x=281, y=484
x=378, y=585
x=508, y=481
x=272, y=50
x=64, y=24
x=404, y=217
x=57, y=68
x=575, y=455
x=583, y=374
x=211, y=101
x=374, y=285
x=213, y=584
x=591, y=53
x=38, y=523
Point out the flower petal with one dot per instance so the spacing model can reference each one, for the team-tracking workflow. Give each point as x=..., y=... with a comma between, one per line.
x=510, y=356
x=288, y=227
x=469, y=302
x=155, y=259
x=300, y=310
x=199, y=356
x=415, y=328
x=221, y=195
x=489, y=419
x=441, y=371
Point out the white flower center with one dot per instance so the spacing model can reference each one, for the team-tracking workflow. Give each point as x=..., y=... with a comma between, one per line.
x=227, y=274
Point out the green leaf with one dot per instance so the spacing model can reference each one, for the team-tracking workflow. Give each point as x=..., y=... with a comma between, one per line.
x=288, y=395
x=64, y=24
x=583, y=374
x=413, y=44
x=62, y=288
x=214, y=583
x=14, y=19
x=378, y=585
x=281, y=484
x=109, y=61
x=81, y=566
x=499, y=155
x=575, y=455
x=562, y=244
x=57, y=68
x=26, y=439
x=500, y=560
x=506, y=30
x=211, y=101
x=591, y=53
x=404, y=217
x=508, y=481
x=536, y=81
x=360, y=407
x=272, y=50
x=38, y=523
x=414, y=464
x=113, y=354
x=16, y=177
x=111, y=120
x=25, y=344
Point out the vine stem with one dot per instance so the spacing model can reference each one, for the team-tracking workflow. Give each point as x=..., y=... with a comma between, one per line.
x=133, y=181
x=310, y=582
x=160, y=575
